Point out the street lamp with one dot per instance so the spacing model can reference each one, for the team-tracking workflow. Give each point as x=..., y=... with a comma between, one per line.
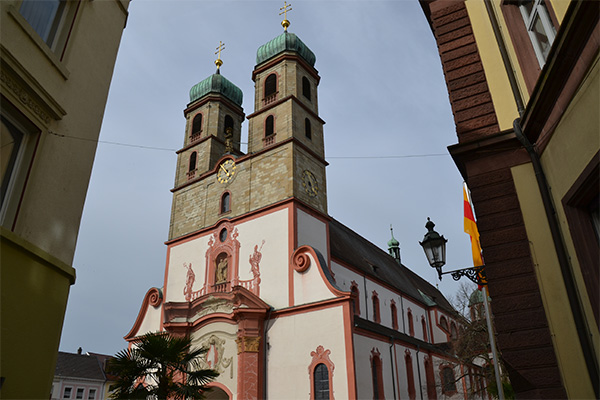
x=434, y=246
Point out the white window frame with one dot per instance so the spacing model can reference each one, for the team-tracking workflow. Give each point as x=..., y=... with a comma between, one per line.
x=18, y=169
x=92, y=394
x=80, y=390
x=539, y=9
x=64, y=393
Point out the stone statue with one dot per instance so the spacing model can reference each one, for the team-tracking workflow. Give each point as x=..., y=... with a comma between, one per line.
x=221, y=273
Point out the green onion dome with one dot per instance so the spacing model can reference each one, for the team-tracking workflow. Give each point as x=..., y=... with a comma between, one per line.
x=285, y=42
x=217, y=83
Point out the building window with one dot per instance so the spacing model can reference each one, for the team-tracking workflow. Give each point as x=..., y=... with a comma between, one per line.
x=581, y=204
x=377, y=375
x=321, y=382
x=67, y=393
x=320, y=371
x=193, y=158
x=18, y=137
x=197, y=126
x=411, y=323
x=306, y=87
x=453, y=331
x=11, y=140
x=394, y=311
x=444, y=324
x=539, y=27
x=448, y=381
x=79, y=393
x=228, y=123
x=51, y=19
x=269, y=126
x=430, y=379
x=225, y=202
x=270, y=88
x=92, y=394
x=355, y=293
x=307, y=128
x=424, y=327
x=410, y=376
x=44, y=17
x=376, y=314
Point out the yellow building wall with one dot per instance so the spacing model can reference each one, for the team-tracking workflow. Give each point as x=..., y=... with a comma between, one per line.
x=34, y=287
x=495, y=72
x=575, y=141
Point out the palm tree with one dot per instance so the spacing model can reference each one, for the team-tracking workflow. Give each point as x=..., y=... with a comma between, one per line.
x=160, y=366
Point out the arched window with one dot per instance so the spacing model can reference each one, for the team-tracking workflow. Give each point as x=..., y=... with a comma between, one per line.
x=269, y=126
x=306, y=87
x=424, y=326
x=411, y=324
x=197, y=125
x=307, y=128
x=228, y=122
x=394, y=311
x=410, y=376
x=444, y=324
x=321, y=382
x=448, y=381
x=320, y=371
x=377, y=375
x=193, y=157
x=270, y=85
x=376, y=314
x=453, y=331
x=225, y=202
x=355, y=293
x=430, y=379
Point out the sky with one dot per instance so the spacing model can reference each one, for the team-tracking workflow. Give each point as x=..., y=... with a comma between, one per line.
x=388, y=124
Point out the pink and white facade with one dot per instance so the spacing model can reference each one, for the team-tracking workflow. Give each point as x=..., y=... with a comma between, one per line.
x=291, y=303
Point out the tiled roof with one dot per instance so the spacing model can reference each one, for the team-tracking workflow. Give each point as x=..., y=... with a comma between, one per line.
x=79, y=366
x=351, y=248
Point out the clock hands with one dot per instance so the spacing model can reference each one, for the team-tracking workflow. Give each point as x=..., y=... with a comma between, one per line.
x=224, y=169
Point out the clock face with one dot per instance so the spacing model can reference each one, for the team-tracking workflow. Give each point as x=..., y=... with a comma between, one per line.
x=226, y=171
x=310, y=183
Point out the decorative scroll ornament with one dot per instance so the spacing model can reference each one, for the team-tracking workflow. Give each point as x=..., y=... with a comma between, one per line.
x=475, y=274
x=300, y=262
x=155, y=297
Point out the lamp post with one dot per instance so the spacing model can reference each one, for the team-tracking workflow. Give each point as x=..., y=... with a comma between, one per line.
x=434, y=246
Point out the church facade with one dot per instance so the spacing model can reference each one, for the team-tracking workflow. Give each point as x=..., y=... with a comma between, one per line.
x=290, y=302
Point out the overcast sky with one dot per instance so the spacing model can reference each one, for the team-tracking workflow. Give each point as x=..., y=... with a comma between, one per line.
x=388, y=123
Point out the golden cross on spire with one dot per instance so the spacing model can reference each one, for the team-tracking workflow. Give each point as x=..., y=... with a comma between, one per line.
x=284, y=10
x=220, y=47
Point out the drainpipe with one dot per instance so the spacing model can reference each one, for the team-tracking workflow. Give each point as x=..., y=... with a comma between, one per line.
x=265, y=346
x=392, y=360
x=563, y=259
x=366, y=297
x=419, y=372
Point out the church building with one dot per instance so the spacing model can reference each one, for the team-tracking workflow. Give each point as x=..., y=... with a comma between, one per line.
x=290, y=302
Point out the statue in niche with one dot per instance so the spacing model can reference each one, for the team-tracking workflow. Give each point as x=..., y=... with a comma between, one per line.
x=221, y=270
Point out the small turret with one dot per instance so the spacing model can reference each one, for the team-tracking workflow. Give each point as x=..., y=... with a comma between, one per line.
x=394, y=246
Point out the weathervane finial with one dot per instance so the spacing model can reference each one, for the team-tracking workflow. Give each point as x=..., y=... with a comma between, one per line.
x=284, y=10
x=218, y=61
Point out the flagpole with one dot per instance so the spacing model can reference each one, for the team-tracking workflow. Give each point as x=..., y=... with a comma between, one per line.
x=488, y=319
